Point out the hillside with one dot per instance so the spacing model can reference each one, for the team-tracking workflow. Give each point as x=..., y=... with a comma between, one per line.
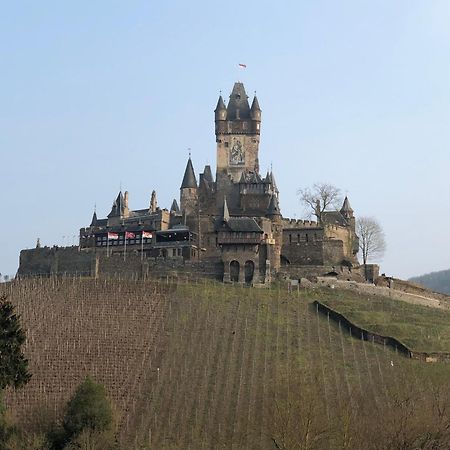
x=215, y=366
x=436, y=281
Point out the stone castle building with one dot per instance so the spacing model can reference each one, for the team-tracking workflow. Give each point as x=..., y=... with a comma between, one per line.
x=231, y=223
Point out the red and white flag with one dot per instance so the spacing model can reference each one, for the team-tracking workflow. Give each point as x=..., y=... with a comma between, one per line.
x=112, y=236
x=129, y=235
x=147, y=234
x=242, y=66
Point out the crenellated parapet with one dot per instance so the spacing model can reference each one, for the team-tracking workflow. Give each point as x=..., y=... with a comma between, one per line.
x=300, y=224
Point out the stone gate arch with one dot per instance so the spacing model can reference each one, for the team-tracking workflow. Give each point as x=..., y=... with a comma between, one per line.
x=234, y=271
x=249, y=271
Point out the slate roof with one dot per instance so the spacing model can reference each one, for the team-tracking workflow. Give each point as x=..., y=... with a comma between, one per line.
x=118, y=206
x=189, y=180
x=238, y=101
x=240, y=224
x=274, y=207
x=346, y=208
x=220, y=104
x=334, y=218
x=255, y=105
x=175, y=206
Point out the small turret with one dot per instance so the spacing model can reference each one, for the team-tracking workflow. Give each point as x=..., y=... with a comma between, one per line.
x=346, y=209
x=189, y=180
x=274, y=207
x=207, y=174
x=153, y=202
x=126, y=210
x=189, y=191
x=94, y=220
x=347, y=213
x=221, y=110
x=255, y=110
x=174, y=208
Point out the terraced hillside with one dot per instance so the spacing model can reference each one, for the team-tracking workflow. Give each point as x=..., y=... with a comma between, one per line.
x=212, y=366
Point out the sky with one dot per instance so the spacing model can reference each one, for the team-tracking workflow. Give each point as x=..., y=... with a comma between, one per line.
x=101, y=95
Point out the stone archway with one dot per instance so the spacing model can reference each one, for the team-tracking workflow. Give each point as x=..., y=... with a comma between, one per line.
x=249, y=270
x=234, y=271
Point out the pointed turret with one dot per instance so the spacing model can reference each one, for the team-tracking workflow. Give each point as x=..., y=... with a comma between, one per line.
x=274, y=184
x=221, y=110
x=274, y=207
x=346, y=209
x=94, y=220
x=174, y=208
x=118, y=206
x=226, y=213
x=255, y=110
x=189, y=180
x=238, y=107
x=207, y=174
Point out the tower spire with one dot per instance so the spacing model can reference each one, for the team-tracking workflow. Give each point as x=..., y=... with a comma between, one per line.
x=189, y=180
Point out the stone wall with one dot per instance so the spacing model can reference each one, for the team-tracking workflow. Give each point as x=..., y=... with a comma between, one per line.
x=47, y=261
x=71, y=261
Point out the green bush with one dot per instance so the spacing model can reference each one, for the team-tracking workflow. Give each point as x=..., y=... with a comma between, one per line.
x=89, y=411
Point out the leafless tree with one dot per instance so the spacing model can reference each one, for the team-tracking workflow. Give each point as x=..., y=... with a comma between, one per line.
x=320, y=197
x=371, y=238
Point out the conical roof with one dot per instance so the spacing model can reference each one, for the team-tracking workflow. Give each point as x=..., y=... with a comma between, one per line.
x=220, y=104
x=238, y=107
x=274, y=207
x=274, y=183
x=189, y=180
x=94, y=219
x=174, y=207
x=221, y=110
x=346, y=209
x=255, y=107
x=207, y=174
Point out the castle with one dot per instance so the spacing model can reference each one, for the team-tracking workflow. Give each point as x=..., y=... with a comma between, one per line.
x=231, y=224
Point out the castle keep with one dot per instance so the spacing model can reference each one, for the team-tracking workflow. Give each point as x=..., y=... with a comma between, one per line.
x=229, y=226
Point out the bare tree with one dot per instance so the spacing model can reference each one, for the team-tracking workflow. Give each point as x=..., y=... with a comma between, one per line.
x=371, y=238
x=320, y=197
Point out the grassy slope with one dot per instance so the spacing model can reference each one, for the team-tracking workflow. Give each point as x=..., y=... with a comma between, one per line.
x=218, y=369
x=420, y=328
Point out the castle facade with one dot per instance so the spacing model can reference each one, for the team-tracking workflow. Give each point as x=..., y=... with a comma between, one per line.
x=231, y=222
x=233, y=219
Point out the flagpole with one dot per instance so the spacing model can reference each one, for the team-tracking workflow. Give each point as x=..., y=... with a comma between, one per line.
x=107, y=245
x=125, y=248
x=142, y=246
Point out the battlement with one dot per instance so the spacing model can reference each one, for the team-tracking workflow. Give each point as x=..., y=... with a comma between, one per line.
x=298, y=223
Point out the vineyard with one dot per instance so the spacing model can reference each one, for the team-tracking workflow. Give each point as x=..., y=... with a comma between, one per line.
x=207, y=366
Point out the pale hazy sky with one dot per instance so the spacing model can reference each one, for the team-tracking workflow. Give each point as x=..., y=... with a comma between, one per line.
x=98, y=95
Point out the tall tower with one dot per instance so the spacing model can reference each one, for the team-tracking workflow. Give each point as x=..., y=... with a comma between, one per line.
x=237, y=135
x=188, y=190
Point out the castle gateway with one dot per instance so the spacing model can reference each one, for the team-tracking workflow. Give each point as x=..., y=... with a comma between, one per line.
x=228, y=227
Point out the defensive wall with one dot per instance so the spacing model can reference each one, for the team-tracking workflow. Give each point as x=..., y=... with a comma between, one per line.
x=71, y=261
x=365, y=335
